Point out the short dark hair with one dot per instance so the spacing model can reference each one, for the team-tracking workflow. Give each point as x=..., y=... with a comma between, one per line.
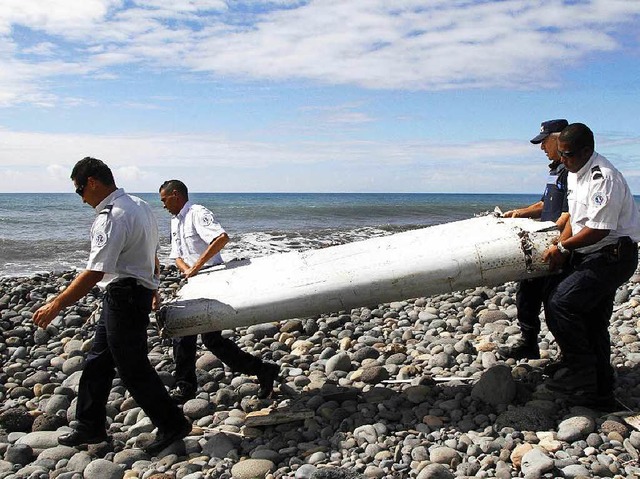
x=175, y=185
x=578, y=135
x=93, y=167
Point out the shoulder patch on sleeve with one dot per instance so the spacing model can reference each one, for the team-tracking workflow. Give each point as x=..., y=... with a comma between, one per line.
x=596, y=173
x=106, y=210
x=99, y=238
x=99, y=229
x=206, y=219
x=598, y=199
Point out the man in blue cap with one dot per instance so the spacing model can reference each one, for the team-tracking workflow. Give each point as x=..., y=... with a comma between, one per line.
x=552, y=206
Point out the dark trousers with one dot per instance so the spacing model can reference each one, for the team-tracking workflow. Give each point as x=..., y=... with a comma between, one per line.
x=579, y=306
x=120, y=343
x=227, y=351
x=529, y=301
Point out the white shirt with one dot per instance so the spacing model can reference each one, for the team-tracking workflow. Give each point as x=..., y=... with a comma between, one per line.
x=192, y=231
x=124, y=240
x=600, y=198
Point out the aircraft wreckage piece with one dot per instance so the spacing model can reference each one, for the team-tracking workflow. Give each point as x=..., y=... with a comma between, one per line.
x=482, y=251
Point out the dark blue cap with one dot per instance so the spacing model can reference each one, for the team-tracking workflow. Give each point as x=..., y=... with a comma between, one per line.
x=548, y=127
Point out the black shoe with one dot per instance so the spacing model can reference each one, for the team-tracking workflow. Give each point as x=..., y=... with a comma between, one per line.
x=572, y=380
x=269, y=372
x=166, y=438
x=80, y=437
x=521, y=350
x=602, y=402
x=182, y=393
x=552, y=368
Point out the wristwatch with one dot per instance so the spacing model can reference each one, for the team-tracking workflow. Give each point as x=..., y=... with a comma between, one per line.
x=562, y=249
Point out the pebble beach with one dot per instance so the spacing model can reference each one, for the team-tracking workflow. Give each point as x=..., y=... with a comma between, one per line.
x=409, y=389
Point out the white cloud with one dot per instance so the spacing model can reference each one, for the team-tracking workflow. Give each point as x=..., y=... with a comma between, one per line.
x=350, y=117
x=376, y=44
x=42, y=162
x=342, y=115
x=129, y=174
x=53, y=15
x=41, y=49
x=183, y=5
x=58, y=173
x=443, y=45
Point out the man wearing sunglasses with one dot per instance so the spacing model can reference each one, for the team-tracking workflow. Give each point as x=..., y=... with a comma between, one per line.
x=551, y=207
x=122, y=260
x=196, y=241
x=597, y=252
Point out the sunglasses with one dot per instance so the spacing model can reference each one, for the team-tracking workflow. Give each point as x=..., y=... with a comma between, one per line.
x=567, y=154
x=80, y=189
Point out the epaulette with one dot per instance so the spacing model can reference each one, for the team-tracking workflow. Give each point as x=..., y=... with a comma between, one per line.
x=106, y=210
x=596, y=173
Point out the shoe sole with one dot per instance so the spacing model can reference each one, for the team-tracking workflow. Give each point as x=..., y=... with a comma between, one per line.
x=153, y=449
x=86, y=444
x=517, y=357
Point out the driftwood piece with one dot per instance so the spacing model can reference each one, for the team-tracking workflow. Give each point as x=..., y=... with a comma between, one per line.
x=272, y=417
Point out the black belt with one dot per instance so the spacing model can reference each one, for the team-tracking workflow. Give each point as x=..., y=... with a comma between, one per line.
x=126, y=283
x=614, y=249
x=623, y=242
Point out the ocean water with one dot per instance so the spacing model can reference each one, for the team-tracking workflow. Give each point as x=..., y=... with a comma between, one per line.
x=50, y=231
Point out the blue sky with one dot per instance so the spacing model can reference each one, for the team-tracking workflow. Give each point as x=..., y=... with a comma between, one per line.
x=312, y=96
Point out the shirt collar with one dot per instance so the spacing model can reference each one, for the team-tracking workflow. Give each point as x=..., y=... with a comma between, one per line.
x=556, y=166
x=587, y=166
x=109, y=199
x=185, y=208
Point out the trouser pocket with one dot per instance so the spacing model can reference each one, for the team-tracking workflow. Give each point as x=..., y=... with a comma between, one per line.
x=120, y=294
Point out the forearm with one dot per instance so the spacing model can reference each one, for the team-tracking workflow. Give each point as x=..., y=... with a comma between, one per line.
x=531, y=211
x=562, y=222
x=214, y=248
x=79, y=287
x=566, y=231
x=586, y=237
x=182, y=266
x=557, y=254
